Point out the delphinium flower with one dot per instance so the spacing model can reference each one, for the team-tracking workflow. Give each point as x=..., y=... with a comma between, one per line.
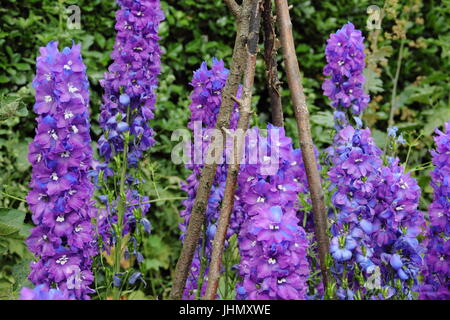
x=376, y=223
x=128, y=104
x=345, y=88
x=436, y=270
x=272, y=244
x=43, y=292
x=205, y=104
x=130, y=85
x=61, y=155
x=354, y=177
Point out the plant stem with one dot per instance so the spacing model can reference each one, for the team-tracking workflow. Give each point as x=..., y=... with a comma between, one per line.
x=304, y=131
x=394, y=89
x=13, y=197
x=121, y=212
x=158, y=200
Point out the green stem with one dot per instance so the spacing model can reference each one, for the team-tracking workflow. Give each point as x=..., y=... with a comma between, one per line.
x=121, y=212
x=158, y=200
x=394, y=89
x=202, y=265
x=13, y=197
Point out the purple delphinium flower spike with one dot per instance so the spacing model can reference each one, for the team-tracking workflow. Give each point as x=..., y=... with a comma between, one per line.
x=130, y=97
x=272, y=245
x=377, y=221
x=128, y=104
x=345, y=57
x=436, y=269
x=61, y=155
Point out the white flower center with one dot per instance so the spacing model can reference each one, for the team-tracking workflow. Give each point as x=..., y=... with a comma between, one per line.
x=48, y=76
x=358, y=160
x=72, y=88
x=60, y=219
x=68, y=66
x=261, y=199
x=74, y=129
x=274, y=227
x=78, y=228
x=272, y=261
x=281, y=281
x=400, y=208
x=340, y=62
x=63, y=260
x=65, y=154
x=48, y=99
x=54, y=176
x=53, y=134
x=68, y=114
x=281, y=187
x=72, y=192
x=403, y=185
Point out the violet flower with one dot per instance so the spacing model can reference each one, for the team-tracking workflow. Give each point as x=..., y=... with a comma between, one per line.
x=130, y=97
x=272, y=245
x=436, y=268
x=61, y=192
x=345, y=57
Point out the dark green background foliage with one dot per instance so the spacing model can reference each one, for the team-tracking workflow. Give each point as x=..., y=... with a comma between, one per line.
x=197, y=30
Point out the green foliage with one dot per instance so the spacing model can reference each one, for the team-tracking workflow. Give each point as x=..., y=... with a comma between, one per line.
x=197, y=30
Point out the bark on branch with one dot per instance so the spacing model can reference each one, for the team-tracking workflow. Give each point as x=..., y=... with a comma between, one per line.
x=238, y=145
x=304, y=130
x=208, y=173
x=234, y=7
x=270, y=58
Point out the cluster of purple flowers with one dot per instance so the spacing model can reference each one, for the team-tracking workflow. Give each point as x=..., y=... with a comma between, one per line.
x=376, y=223
x=345, y=57
x=437, y=267
x=61, y=155
x=272, y=245
x=128, y=104
x=43, y=292
x=205, y=104
x=129, y=98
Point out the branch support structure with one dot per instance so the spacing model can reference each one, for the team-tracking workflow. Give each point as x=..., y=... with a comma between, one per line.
x=238, y=145
x=304, y=131
x=197, y=217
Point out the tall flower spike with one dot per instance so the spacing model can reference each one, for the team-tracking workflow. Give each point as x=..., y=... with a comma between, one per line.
x=374, y=245
x=436, y=270
x=345, y=57
x=272, y=245
x=129, y=98
x=61, y=155
x=128, y=104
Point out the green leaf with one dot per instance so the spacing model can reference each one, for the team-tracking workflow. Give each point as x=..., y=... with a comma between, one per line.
x=323, y=118
x=373, y=81
x=12, y=224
